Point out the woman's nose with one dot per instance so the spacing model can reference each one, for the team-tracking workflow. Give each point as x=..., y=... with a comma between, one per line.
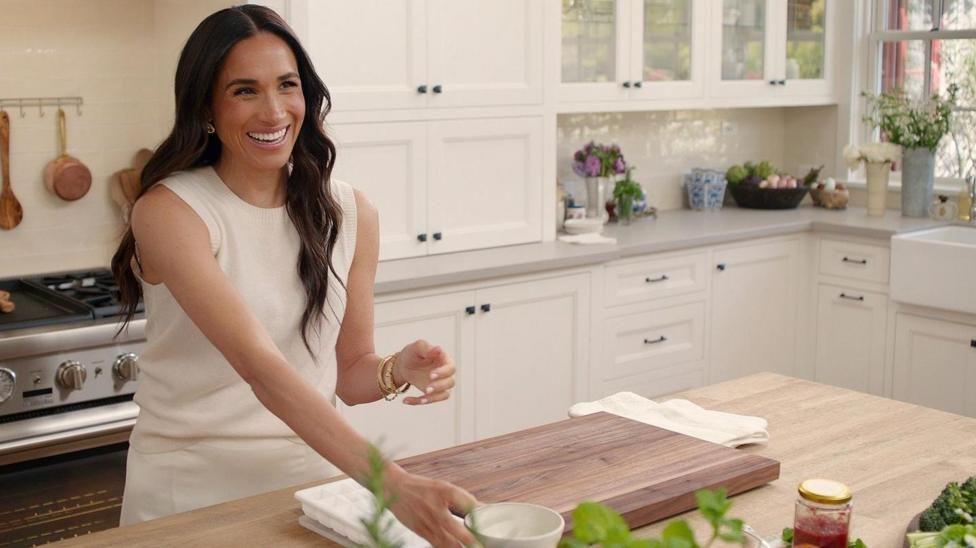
x=274, y=109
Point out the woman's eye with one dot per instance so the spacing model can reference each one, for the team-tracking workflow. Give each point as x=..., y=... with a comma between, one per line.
x=243, y=91
x=289, y=84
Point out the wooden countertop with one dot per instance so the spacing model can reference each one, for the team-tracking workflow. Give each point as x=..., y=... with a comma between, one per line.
x=896, y=457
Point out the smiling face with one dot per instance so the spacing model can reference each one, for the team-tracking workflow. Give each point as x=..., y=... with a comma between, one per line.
x=258, y=106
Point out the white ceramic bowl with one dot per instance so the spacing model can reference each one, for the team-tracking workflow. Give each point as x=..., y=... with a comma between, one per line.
x=582, y=226
x=517, y=525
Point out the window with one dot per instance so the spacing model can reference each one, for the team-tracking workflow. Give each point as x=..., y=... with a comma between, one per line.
x=923, y=46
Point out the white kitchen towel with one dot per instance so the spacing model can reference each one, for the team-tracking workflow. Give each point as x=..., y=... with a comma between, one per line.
x=588, y=238
x=681, y=416
x=341, y=505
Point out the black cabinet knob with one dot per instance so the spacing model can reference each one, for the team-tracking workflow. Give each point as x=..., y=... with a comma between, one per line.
x=486, y=307
x=422, y=88
x=422, y=237
x=772, y=82
x=438, y=236
x=437, y=88
x=972, y=343
x=469, y=310
x=720, y=266
x=627, y=84
x=638, y=84
x=782, y=82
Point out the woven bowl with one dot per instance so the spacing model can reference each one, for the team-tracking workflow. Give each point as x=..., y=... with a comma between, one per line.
x=830, y=199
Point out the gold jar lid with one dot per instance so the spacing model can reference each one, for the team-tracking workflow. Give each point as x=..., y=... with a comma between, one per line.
x=824, y=491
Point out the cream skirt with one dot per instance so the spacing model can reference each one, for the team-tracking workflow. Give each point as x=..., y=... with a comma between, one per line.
x=214, y=471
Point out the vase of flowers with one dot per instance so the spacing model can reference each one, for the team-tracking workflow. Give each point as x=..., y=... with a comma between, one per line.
x=877, y=158
x=626, y=192
x=917, y=125
x=597, y=164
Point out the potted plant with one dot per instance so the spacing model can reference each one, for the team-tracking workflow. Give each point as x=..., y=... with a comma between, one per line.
x=877, y=158
x=917, y=125
x=597, y=163
x=626, y=192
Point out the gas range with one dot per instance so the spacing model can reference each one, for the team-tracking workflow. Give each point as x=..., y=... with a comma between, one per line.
x=64, y=375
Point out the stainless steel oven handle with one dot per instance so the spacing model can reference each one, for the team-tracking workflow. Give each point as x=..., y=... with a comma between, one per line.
x=60, y=438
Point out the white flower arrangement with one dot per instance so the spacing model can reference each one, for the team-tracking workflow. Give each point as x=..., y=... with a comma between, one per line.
x=871, y=152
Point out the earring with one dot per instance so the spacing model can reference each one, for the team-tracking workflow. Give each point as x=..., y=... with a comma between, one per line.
x=210, y=128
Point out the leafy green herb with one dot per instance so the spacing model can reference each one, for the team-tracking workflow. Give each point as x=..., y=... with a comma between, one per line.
x=787, y=537
x=595, y=524
x=952, y=536
x=378, y=525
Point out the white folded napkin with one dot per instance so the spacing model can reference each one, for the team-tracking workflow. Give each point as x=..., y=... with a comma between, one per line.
x=340, y=505
x=588, y=238
x=681, y=416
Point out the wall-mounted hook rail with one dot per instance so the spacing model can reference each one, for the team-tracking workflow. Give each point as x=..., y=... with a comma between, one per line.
x=21, y=103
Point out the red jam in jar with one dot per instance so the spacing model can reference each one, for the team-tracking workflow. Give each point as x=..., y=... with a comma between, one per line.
x=823, y=514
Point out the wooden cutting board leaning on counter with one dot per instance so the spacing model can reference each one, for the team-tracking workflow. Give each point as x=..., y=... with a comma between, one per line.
x=895, y=456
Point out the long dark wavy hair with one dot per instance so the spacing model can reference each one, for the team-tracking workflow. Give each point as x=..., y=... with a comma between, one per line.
x=310, y=205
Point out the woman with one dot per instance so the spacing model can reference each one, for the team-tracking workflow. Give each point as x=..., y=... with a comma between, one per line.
x=257, y=272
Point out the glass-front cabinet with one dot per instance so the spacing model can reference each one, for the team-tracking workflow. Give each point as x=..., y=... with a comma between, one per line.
x=631, y=49
x=769, y=48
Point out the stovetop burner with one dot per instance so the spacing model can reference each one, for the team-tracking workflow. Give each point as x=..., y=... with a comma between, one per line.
x=61, y=298
x=96, y=288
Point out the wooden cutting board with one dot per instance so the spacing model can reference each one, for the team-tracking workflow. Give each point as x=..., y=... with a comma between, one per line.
x=643, y=472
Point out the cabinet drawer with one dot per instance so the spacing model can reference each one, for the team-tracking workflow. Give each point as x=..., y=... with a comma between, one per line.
x=864, y=262
x=655, y=278
x=650, y=340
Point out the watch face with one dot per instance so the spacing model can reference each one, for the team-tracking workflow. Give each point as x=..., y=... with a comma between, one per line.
x=7, y=380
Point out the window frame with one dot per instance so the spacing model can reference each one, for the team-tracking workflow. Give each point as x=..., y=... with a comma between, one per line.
x=875, y=35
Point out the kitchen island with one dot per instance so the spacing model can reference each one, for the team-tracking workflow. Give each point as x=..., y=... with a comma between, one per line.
x=895, y=456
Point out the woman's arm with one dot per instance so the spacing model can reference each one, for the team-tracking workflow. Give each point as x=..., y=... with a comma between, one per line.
x=174, y=248
x=427, y=367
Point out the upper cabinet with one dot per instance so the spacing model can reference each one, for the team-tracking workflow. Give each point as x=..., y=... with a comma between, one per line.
x=636, y=54
x=631, y=49
x=391, y=54
x=770, y=49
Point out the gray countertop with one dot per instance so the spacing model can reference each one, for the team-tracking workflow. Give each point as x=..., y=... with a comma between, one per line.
x=679, y=229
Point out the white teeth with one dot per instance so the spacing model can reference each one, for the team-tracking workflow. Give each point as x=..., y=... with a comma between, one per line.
x=269, y=137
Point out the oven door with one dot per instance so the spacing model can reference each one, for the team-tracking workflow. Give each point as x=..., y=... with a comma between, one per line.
x=62, y=474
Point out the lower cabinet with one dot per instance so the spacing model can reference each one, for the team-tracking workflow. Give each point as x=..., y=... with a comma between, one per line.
x=935, y=364
x=851, y=327
x=520, y=350
x=755, y=309
x=404, y=430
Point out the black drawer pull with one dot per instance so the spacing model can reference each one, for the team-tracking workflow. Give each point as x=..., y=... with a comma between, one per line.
x=626, y=84
x=469, y=310
x=662, y=278
x=972, y=343
x=855, y=261
x=422, y=88
x=782, y=82
x=660, y=339
x=421, y=237
x=437, y=89
x=638, y=84
x=720, y=266
x=852, y=297
x=438, y=236
x=486, y=307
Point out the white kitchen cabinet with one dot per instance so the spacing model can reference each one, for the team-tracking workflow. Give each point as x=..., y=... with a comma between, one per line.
x=637, y=50
x=404, y=430
x=851, y=327
x=770, y=50
x=755, y=309
x=521, y=351
x=445, y=186
x=531, y=343
x=935, y=363
x=389, y=54
x=648, y=342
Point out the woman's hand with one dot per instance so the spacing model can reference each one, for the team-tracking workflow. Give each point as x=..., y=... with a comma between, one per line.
x=424, y=505
x=427, y=367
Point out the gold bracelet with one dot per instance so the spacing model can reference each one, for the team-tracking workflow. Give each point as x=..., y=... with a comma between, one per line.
x=390, y=389
x=380, y=381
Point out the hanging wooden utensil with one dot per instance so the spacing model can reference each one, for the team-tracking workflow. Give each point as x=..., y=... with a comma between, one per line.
x=66, y=176
x=11, y=213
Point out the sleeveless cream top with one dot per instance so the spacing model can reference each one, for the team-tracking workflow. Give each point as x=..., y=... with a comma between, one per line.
x=187, y=390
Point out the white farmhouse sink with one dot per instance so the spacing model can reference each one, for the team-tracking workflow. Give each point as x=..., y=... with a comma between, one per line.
x=935, y=268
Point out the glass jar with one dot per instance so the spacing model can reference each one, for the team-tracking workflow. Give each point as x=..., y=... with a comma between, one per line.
x=823, y=514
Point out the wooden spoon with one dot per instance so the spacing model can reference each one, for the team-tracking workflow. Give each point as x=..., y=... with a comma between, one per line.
x=10, y=211
x=66, y=176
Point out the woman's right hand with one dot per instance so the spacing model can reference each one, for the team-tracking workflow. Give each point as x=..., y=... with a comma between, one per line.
x=424, y=505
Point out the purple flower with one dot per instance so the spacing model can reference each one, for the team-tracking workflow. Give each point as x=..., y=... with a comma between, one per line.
x=579, y=169
x=620, y=166
x=592, y=166
x=579, y=156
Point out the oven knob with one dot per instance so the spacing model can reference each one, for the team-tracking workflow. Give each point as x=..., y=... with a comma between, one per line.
x=126, y=367
x=71, y=375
